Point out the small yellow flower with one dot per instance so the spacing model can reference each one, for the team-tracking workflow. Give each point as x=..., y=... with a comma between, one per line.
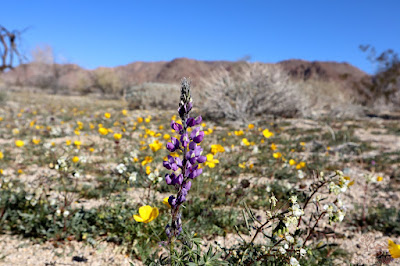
x=277, y=155
x=75, y=159
x=68, y=142
x=103, y=131
x=165, y=201
x=245, y=142
x=267, y=133
x=124, y=112
x=20, y=172
x=166, y=136
x=394, y=249
x=211, y=162
x=91, y=149
x=273, y=146
x=239, y=133
x=302, y=143
x=300, y=165
x=140, y=119
x=107, y=115
x=292, y=162
x=379, y=178
x=250, y=126
x=1, y=155
x=146, y=214
x=242, y=165
x=35, y=141
x=1, y=171
x=148, y=170
x=19, y=143
x=215, y=148
x=117, y=136
x=147, y=120
x=77, y=143
x=15, y=131
x=77, y=132
x=156, y=145
x=147, y=159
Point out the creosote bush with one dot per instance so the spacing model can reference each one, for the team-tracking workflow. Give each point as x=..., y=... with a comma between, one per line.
x=249, y=91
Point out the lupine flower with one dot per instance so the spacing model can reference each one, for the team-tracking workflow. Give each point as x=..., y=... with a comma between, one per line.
x=146, y=214
x=189, y=165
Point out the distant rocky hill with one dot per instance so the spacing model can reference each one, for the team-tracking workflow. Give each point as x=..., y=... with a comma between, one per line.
x=171, y=72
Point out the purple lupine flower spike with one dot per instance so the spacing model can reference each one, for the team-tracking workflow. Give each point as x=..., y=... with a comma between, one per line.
x=189, y=164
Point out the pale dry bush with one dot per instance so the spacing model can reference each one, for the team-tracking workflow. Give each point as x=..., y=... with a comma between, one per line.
x=329, y=99
x=152, y=95
x=250, y=91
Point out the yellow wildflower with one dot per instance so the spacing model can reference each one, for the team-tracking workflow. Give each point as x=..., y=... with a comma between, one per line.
x=267, y=133
x=15, y=131
x=215, y=148
x=148, y=169
x=68, y=142
x=75, y=159
x=251, y=126
x=379, y=178
x=273, y=146
x=277, y=155
x=117, y=136
x=19, y=143
x=156, y=145
x=1, y=155
x=35, y=141
x=300, y=165
x=292, y=162
x=245, y=142
x=147, y=159
x=124, y=112
x=146, y=214
x=107, y=115
x=394, y=249
x=103, y=131
x=239, y=132
x=242, y=165
x=91, y=149
x=140, y=119
x=77, y=143
x=20, y=172
x=165, y=201
x=147, y=120
x=166, y=136
x=211, y=162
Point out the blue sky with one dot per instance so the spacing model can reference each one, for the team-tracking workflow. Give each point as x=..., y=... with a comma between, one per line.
x=110, y=33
